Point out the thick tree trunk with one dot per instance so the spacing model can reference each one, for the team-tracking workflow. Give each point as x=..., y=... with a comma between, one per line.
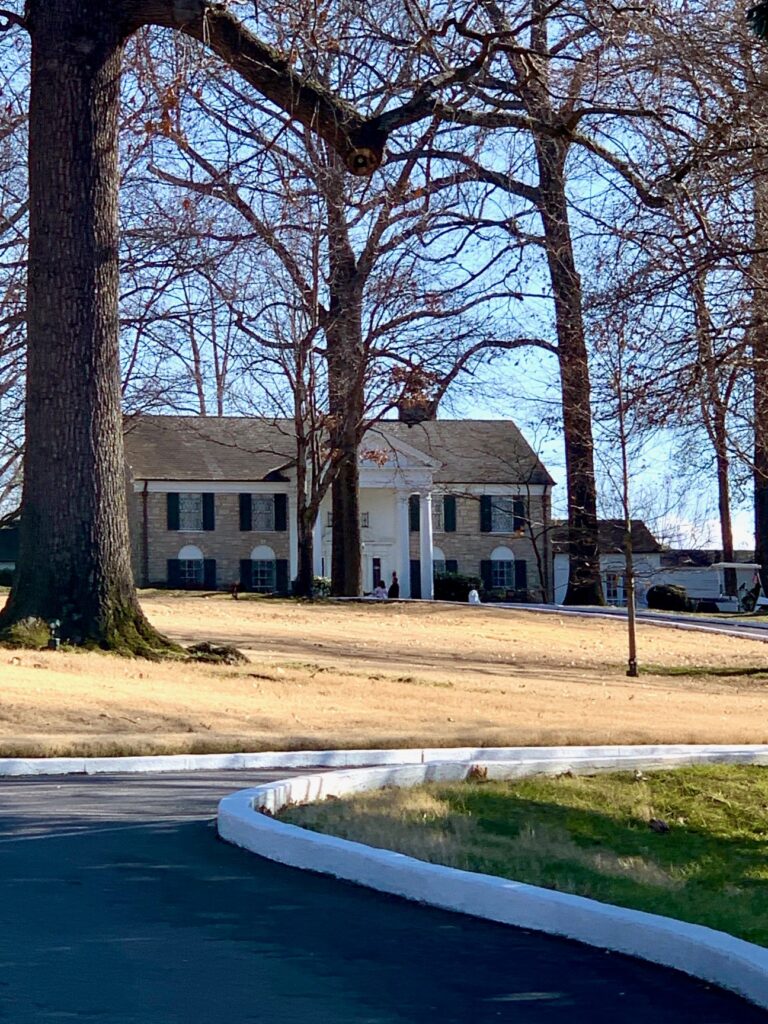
x=304, y=585
x=346, y=399
x=74, y=559
x=346, y=391
x=584, y=581
x=760, y=371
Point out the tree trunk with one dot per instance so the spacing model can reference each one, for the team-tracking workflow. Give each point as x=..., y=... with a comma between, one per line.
x=584, y=581
x=724, y=498
x=760, y=372
x=74, y=563
x=346, y=400
x=304, y=586
x=346, y=391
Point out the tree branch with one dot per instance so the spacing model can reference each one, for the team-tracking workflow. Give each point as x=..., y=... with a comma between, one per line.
x=360, y=143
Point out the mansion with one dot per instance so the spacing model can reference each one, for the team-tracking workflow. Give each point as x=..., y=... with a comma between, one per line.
x=213, y=502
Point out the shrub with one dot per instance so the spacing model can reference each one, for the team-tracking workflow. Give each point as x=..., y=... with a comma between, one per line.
x=452, y=586
x=669, y=597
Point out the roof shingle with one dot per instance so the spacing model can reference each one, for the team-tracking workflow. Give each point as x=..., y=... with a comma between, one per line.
x=244, y=448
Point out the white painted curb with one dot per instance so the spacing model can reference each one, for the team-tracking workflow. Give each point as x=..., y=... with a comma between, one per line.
x=713, y=956
x=685, y=753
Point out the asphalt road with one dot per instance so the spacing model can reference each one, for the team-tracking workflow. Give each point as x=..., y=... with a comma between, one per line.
x=118, y=904
x=750, y=629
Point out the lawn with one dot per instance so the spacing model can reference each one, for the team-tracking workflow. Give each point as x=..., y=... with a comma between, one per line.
x=590, y=836
x=382, y=675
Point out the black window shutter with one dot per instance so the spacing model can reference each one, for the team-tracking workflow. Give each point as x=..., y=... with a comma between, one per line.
x=520, y=513
x=414, y=513
x=449, y=513
x=246, y=574
x=174, y=573
x=172, y=503
x=521, y=574
x=486, y=514
x=486, y=573
x=209, y=512
x=281, y=512
x=209, y=573
x=451, y=565
x=415, y=577
x=246, y=512
x=281, y=575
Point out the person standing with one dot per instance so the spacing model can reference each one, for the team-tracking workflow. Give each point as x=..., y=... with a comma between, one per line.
x=394, y=587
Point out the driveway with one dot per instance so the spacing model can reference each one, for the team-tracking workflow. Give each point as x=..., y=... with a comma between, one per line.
x=120, y=905
x=750, y=629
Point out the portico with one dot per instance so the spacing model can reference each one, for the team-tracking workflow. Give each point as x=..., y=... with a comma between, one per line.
x=389, y=477
x=214, y=506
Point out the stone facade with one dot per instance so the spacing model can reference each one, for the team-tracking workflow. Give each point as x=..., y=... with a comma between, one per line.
x=468, y=546
x=220, y=460
x=227, y=544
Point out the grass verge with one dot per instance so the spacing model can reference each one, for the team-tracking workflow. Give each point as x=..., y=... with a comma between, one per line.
x=589, y=835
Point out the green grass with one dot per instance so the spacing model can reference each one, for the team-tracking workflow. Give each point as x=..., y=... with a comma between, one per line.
x=590, y=836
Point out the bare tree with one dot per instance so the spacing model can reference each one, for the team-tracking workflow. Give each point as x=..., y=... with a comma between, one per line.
x=74, y=558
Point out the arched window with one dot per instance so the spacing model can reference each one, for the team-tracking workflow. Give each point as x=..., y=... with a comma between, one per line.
x=191, y=566
x=263, y=570
x=502, y=568
x=438, y=561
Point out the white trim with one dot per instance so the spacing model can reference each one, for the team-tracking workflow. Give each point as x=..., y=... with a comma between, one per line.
x=386, y=477
x=516, y=490
x=714, y=956
x=426, y=543
x=399, y=447
x=682, y=753
x=211, y=487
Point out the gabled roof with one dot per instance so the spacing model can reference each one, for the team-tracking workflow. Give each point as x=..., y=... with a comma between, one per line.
x=610, y=537
x=208, y=448
x=245, y=448
x=472, y=451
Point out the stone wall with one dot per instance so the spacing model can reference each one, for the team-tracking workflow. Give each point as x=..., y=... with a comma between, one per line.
x=227, y=544
x=469, y=547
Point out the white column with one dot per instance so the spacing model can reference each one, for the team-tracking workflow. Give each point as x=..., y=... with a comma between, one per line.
x=317, y=545
x=403, y=534
x=425, y=547
x=293, y=537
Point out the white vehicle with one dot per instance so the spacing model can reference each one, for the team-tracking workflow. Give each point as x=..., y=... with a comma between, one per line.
x=706, y=584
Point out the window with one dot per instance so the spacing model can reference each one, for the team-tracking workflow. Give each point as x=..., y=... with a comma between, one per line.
x=190, y=511
x=438, y=562
x=263, y=570
x=191, y=572
x=502, y=574
x=263, y=512
x=188, y=571
x=503, y=515
x=263, y=576
x=438, y=514
x=614, y=587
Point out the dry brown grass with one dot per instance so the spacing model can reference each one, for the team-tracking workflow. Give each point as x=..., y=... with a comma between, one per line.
x=359, y=675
